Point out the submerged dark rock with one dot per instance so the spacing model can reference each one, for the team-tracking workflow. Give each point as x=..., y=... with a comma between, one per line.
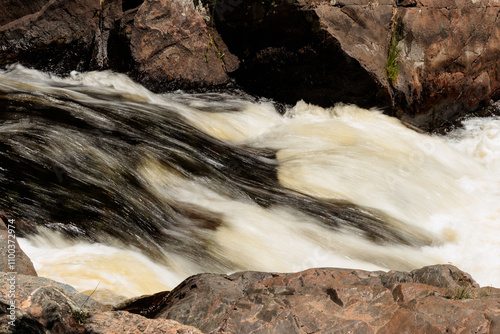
x=86, y=198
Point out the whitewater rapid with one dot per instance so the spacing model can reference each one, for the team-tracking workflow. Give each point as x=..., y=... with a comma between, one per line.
x=444, y=190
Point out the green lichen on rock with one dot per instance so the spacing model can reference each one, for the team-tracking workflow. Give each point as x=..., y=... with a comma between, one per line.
x=392, y=67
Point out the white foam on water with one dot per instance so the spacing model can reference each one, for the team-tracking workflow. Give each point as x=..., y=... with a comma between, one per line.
x=275, y=238
x=116, y=272
x=444, y=185
x=448, y=186
x=475, y=226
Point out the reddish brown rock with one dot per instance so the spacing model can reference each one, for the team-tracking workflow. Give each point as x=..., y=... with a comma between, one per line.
x=337, y=51
x=448, y=53
x=361, y=28
x=31, y=304
x=336, y=300
x=406, y=292
x=10, y=249
x=448, y=61
x=121, y=322
x=38, y=305
x=435, y=299
x=164, y=44
x=321, y=51
x=172, y=44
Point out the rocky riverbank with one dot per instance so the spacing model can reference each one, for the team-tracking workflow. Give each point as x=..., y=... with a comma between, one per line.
x=433, y=299
x=427, y=62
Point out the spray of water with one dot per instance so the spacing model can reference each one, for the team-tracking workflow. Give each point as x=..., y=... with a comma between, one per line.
x=438, y=194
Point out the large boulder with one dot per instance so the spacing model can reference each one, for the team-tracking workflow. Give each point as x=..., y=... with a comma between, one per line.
x=38, y=305
x=63, y=35
x=292, y=50
x=448, y=61
x=435, y=299
x=35, y=305
x=172, y=46
x=163, y=44
x=426, y=62
x=18, y=9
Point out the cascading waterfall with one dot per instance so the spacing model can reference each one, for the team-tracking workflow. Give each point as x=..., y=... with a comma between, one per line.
x=134, y=191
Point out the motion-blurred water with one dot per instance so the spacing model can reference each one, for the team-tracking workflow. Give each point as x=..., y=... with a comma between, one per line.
x=135, y=191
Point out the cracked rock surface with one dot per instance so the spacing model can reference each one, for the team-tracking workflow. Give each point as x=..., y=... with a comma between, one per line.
x=337, y=51
x=337, y=301
x=434, y=299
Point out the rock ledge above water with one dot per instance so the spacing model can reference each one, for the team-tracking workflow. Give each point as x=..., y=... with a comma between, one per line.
x=445, y=52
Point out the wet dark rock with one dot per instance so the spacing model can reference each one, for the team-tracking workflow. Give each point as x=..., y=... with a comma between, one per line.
x=63, y=35
x=290, y=54
x=337, y=51
x=446, y=52
x=15, y=9
x=147, y=306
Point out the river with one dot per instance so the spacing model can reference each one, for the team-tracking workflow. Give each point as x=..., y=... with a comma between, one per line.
x=131, y=191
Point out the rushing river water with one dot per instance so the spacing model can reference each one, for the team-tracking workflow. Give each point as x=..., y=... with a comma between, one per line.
x=135, y=191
